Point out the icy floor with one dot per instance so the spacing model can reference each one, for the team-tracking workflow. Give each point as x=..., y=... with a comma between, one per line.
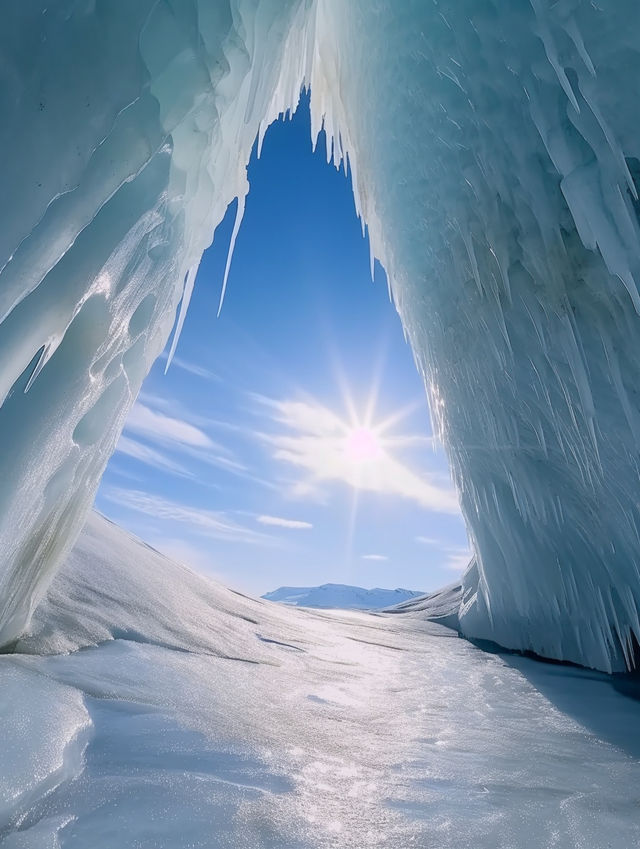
x=151, y=709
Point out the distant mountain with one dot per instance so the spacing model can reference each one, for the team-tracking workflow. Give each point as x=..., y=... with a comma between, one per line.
x=340, y=596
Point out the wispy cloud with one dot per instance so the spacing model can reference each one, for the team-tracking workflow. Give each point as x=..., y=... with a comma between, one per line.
x=211, y=523
x=168, y=428
x=314, y=440
x=149, y=456
x=173, y=407
x=283, y=523
x=455, y=558
x=374, y=557
x=159, y=427
x=192, y=368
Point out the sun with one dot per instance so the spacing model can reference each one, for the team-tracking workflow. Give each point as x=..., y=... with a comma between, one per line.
x=362, y=445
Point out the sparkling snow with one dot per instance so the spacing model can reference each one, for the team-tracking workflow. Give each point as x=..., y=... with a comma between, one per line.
x=151, y=708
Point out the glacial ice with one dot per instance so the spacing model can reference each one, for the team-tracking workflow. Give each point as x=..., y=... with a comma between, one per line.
x=494, y=159
x=125, y=134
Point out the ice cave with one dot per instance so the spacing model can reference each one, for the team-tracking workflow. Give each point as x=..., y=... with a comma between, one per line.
x=495, y=167
x=496, y=172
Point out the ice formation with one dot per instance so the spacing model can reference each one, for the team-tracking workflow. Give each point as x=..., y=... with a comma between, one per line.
x=495, y=162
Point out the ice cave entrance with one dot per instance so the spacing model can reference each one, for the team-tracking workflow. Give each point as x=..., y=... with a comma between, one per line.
x=290, y=442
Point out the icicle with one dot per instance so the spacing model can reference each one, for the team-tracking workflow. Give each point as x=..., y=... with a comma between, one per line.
x=632, y=289
x=45, y=355
x=614, y=146
x=467, y=238
x=552, y=55
x=372, y=260
x=261, y=134
x=187, y=291
x=232, y=243
x=574, y=34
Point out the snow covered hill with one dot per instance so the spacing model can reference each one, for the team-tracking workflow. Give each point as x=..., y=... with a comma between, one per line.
x=150, y=708
x=341, y=596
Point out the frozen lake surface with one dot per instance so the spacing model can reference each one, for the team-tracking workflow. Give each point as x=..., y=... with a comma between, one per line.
x=153, y=709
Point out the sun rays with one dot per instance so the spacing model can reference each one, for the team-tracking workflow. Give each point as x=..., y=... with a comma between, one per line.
x=357, y=450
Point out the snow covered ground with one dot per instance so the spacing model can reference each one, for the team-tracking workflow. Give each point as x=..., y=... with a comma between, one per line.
x=152, y=709
x=341, y=596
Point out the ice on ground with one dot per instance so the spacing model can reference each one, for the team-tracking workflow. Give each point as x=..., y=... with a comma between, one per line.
x=227, y=721
x=47, y=727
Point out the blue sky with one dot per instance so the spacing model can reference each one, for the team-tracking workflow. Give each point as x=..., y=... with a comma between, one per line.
x=259, y=458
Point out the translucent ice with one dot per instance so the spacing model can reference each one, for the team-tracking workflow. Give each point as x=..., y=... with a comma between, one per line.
x=125, y=133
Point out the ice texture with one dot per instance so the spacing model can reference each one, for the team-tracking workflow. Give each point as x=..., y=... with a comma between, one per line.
x=126, y=129
x=499, y=186
x=495, y=161
x=150, y=708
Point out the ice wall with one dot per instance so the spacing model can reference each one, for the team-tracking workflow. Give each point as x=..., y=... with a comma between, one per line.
x=125, y=131
x=497, y=166
x=495, y=162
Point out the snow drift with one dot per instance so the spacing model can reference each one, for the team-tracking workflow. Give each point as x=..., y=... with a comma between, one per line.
x=495, y=160
x=150, y=708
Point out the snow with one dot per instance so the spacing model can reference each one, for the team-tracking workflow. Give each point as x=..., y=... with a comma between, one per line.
x=442, y=606
x=495, y=162
x=149, y=707
x=340, y=596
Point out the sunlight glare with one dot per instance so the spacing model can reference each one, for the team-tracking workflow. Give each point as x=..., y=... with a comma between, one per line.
x=362, y=445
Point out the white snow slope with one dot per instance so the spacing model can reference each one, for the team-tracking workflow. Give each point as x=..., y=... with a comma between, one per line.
x=152, y=709
x=495, y=158
x=341, y=596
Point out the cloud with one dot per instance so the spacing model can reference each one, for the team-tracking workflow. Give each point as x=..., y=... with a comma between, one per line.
x=180, y=434
x=374, y=557
x=283, y=523
x=314, y=440
x=210, y=523
x=159, y=427
x=456, y=558
x=191, y=368
x=149, y=456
